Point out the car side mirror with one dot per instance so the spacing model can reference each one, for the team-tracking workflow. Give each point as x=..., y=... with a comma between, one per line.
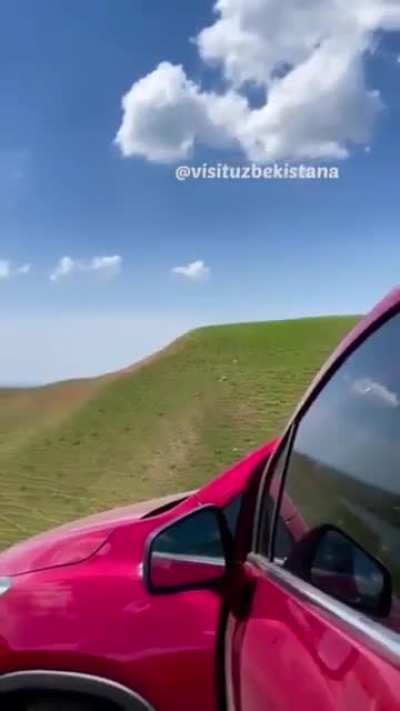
x=189, y=553
x=336, y=564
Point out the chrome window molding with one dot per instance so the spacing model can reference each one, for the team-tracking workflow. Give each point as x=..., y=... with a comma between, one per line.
x=382, y=639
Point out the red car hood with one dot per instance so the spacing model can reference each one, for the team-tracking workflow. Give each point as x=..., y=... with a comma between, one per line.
x=75, y=541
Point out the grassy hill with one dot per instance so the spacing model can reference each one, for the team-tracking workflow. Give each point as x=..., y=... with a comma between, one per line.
x=167, y=425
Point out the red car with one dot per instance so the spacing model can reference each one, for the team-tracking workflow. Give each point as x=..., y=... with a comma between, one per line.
x=274, y=587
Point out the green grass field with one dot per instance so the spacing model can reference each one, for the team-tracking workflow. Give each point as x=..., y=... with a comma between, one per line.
x=170, y=424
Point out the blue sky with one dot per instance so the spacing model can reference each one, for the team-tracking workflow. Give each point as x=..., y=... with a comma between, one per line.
x=273, y=249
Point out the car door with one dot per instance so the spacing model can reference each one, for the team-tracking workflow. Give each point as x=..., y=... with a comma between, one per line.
x=322, y=627
x=177, y=632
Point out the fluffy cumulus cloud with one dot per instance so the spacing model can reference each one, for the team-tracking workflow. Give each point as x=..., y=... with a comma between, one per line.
x=308, y=59
x=194, y=271
x=165, y=113
x=8, y=270
x=108, y=266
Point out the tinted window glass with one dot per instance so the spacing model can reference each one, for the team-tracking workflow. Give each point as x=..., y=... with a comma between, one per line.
x=197, y=535
x=344, y=468
x=232, y=512
x=185, y=537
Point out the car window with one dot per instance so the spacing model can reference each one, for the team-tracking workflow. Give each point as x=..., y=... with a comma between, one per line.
x=344, y=467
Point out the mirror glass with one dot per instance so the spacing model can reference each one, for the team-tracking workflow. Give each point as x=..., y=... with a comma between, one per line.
x=188, y=553
x=342, y=569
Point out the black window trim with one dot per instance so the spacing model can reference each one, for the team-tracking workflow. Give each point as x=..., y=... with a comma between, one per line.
x=378, y=637
x=269, y=471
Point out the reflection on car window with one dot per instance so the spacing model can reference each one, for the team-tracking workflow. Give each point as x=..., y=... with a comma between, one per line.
x=186, y=538
x=193, y=535
x=344, y=467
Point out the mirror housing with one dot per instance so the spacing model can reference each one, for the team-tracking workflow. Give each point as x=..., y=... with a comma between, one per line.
x=189, y=553
x=336, y=564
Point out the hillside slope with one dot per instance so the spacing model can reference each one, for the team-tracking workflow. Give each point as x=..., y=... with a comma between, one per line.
x=77, y=447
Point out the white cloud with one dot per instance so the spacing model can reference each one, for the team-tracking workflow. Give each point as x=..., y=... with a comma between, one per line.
x=307, y=57
x=8, y=271
x=108, y=266
x=165, y=114
x=65, y=266
x=162, y=104
x=195, y=271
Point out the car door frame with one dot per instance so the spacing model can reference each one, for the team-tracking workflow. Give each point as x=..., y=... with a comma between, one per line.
x=373, y=634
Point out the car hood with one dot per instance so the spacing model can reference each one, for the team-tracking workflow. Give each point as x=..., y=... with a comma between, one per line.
x=76, y=541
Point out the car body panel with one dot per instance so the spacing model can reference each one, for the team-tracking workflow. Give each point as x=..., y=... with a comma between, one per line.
x=292, y=655
x=76, y=541
x=97, y=616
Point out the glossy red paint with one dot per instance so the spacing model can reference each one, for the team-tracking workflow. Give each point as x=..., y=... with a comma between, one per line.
x=290, y=655
x=74, y=542
x=78, y=602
